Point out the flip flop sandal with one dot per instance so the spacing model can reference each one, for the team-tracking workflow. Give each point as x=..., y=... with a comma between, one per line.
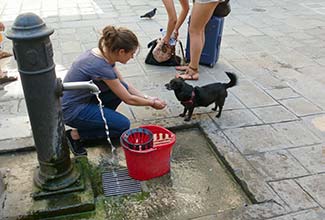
x=187, y=76
x=4, y=54
x=7, y=79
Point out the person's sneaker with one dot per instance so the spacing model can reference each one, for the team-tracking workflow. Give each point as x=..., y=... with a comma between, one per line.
x=76, y=146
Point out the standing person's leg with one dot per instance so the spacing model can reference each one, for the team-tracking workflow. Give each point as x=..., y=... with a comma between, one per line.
x=182, y=15
x=172, y=19
x=201, y=13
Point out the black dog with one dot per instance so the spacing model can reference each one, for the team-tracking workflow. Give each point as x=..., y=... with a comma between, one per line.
x=192, y=97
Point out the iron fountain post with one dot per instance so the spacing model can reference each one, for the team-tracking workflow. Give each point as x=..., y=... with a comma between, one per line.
x=34, y=55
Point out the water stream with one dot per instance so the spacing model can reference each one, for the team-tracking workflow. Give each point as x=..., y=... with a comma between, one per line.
x=114, y=160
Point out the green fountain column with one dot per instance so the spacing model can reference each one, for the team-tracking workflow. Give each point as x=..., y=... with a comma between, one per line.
x=61, y=186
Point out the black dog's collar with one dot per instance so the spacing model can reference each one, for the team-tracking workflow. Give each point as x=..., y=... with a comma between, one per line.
x=190, y=101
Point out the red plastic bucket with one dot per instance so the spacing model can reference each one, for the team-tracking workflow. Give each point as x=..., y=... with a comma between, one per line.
x=149, y=163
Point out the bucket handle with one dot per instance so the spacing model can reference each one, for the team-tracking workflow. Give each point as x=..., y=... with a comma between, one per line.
x=141, y=151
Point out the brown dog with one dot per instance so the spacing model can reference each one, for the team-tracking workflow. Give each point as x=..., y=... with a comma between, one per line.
x=191, y=97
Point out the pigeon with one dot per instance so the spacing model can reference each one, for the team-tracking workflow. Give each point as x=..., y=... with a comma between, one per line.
x=149, y=14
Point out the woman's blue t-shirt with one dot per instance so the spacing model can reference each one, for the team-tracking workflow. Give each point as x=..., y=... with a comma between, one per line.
x=85, y=68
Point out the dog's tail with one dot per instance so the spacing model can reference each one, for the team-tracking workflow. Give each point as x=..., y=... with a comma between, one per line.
x=233, y=80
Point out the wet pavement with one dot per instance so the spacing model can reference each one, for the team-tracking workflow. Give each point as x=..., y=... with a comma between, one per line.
x=197, y=185
x=271, y=134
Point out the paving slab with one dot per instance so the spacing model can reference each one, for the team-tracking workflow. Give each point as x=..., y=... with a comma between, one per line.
x=268, y=81
x=293, y=195
x=282, y=93
x=235, y=118
x=311, y=157
x=320, y=61
x=257, y=211
x=12, y=144
x=312, y=90
x=313, y=70
x=248, y=31
x=232, y=54
x=295, y=59
x=250, y=68
x=251, y=180
x=316, y=124
x=277, y=165
x=301, y=106
x=13, y=126
x=251, y=140
x=274, y=114
x=9, y=107
x=252, y=96
x=289, y=75
x=297, y=133
x=315, y=187
x=310, y=214
x=217, y=137
x=232, y=103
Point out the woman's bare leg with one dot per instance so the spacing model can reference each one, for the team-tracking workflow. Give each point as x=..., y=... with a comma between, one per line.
x=182, y=15
x=172, y=19
x=201, y=14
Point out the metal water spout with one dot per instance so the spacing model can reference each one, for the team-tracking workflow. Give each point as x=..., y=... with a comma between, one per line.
x=90, y=85
x=64, y=86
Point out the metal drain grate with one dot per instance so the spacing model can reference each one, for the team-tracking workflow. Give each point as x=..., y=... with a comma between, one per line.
x=119, y=183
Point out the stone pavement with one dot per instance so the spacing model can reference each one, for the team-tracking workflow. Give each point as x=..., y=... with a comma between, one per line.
x=272, y=131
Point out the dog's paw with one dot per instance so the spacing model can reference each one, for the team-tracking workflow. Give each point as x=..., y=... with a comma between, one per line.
x=181, y=115
x=187, y=119
x=218, y=115
x=214, y=109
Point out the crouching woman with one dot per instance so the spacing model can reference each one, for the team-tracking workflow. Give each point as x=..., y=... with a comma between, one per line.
x=80, y=107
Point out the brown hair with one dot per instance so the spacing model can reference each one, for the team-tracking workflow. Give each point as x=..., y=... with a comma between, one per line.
x=114, y=39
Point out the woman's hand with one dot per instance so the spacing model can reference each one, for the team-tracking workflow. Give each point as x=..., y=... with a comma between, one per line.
x=165, y=40
x=175, y=33
x=158, y=103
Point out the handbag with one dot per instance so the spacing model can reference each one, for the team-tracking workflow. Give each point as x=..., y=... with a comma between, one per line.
x=162, y=51
x=223, y=9
x=161, y=54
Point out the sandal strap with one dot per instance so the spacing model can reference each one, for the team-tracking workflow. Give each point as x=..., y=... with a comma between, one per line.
x=192, y=68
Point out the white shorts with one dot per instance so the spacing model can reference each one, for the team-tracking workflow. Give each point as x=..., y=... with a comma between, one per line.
x=207, y=1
